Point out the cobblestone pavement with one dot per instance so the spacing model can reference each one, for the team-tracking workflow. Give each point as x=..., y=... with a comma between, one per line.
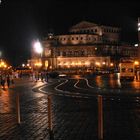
x=33, y=119
x=74, y=118
x=68, y=118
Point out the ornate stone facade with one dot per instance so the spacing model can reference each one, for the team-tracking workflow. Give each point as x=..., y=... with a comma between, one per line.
x=86, y=46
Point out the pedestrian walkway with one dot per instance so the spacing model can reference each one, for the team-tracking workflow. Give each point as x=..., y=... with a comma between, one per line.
x=72, y=118
x=9, y=130
x=34, y=115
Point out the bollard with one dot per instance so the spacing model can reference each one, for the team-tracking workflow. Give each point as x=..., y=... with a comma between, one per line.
x=50, y=119
x=100, y=117
x=18, y=108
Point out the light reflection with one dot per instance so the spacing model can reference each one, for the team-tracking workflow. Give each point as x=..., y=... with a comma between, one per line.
x=136, y=85
x=118, y=80
x=5, y=101
x=99, y=81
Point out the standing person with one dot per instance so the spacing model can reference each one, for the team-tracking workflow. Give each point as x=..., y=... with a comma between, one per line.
x=46, y=76
x=12, y=77
x=8, y=80
x=3, y=81
x=36, y=76
x=137, y=75
x=31, y=76
x=42, y=75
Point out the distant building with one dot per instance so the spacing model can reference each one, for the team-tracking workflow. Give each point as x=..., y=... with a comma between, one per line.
x=139, y=36
x=87, y=46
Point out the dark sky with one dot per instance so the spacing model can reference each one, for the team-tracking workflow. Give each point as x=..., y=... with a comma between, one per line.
x=22, y=21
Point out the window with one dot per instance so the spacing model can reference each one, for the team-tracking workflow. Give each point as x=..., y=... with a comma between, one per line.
x=64, y=53
x=76, y=53
x=82, y=53
x=130, y=70
x=58, y=53
x=69, y=53
x=123, y=69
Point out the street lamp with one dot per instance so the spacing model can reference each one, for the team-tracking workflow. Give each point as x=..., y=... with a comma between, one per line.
x=38, y=47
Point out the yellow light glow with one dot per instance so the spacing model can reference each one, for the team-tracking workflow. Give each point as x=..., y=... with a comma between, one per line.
x=79, y=63
x=87, y=63
x=136, y=62
x=5, y=66
x=97, y=64
x=72, y=63
x=2, y=63
x=103, y=63
x=39, y=64
x=28, y=65
x=46, y=64
x=111, y=64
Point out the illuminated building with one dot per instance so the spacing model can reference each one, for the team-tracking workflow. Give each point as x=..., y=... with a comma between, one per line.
x=87, y=46
x=139, y=37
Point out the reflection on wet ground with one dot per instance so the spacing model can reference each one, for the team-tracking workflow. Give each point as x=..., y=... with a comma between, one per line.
x=112, y=82
x=74, y=118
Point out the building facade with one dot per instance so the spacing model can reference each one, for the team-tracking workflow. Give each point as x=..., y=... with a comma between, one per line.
x=87, y=46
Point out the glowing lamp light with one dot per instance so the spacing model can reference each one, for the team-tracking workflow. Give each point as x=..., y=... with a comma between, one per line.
x=97, y=64
x=111, y=64
x=39, y=64
x=87, y=63
x=5, y=66
x=23, y=65
x=28, y=65
x=38, y=47
x=2, y=63
x=139, y=29
x=136, y=62
x=136, y=45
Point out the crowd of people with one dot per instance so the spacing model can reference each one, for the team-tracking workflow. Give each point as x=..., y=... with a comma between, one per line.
x=42, y=75
x=7, y=78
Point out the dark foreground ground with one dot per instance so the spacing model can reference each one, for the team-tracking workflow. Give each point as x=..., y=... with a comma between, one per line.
x=74, y=118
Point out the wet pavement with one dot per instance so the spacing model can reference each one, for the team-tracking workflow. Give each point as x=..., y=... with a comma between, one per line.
x=74, y=118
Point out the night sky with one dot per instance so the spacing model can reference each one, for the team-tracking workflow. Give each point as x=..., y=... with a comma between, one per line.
x=22, y=21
